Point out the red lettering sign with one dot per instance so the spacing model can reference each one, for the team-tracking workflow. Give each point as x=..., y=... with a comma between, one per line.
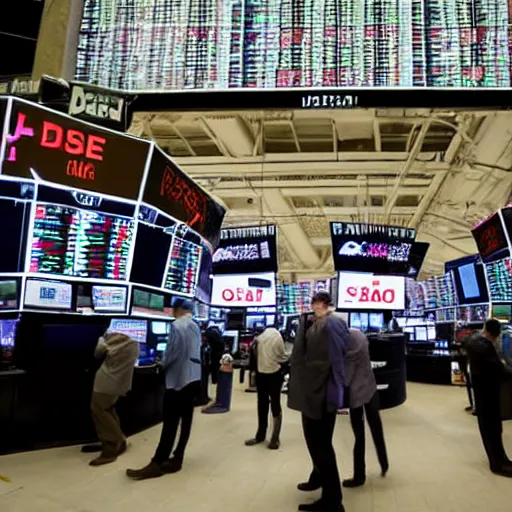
x=174, y=187
x=374, y=295
x=242, y=295
x=73, y=142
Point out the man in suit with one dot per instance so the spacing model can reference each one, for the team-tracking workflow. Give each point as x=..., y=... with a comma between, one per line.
x=316, y=389
x=363, y=398
x=488, y=375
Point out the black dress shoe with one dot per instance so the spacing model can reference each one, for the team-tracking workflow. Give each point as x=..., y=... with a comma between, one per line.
x=92, y=448
x=173, y=465
x=152, y=470
x=351, y=483
x=308, y=487
x=504, y=469
x=321, y=506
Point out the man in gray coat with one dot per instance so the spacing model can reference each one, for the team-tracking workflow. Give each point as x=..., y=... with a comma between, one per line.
x=363, y=397
x=316, y=389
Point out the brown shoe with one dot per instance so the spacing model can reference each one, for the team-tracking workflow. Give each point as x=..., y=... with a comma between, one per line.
x=152, y=470
x=102, y=460
x=122, y=448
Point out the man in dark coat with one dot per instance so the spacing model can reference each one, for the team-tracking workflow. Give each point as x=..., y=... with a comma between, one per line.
x=488, y=375
x=316, y=389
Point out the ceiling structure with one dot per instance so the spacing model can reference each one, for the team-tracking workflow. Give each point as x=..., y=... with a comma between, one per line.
x=435, y=170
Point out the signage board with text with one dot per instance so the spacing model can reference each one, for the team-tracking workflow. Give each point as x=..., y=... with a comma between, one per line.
x=244, y=290
x=367, y=291
x=56, y=148
x=172, y=191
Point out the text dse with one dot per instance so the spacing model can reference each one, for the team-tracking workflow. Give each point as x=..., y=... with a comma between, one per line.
x=366, y=294
x=242, y=295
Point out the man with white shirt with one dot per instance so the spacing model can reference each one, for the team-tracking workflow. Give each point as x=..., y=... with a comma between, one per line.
x=270, y=355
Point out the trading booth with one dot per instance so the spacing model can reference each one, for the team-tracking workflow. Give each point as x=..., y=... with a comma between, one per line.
x=100, y=230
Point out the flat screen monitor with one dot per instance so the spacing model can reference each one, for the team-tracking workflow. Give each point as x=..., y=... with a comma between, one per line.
x=8, y=333
x=183, y=267
x=48, y=294
x=255, y=321
x=421, y=333
x=136, y=329
x=270, y=320
x=376, y=321
x=502, y=312
x=367, y=291
x=235, y=320
x=230, y=339
x=150, y=303
x=490, y=238
x=359, y=321
x=80, y=243
x=161, y=347
x=246, y=249
x=244, y=290
x=109, y=298
x=160, y=328
x=431, y=332
x=8, y=294
x=411, y=332
x=470, y=283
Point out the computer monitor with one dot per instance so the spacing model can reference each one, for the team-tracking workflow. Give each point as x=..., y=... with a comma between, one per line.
x=411, y=332
x=160, y=328
x=8, y=294
x=355, y=321
x=230, y=339
x=254, y=321
x=109, y=298
x=135, y=329
x=376, y=321
x=48, y=294
x=421, y=333
x=431, y=333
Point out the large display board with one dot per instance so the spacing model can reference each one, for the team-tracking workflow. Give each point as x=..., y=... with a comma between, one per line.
x=225, y=44
x=244, y=290
x=246, y=250
x=367, y=291
x=80, y=243
x=371, y=248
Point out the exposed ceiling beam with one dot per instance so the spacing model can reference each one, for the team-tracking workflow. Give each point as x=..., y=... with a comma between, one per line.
x=329, y=211
x=427, y=199
x=407, y=167
x=295, y=138
x=256, y=170
x=452, y=220
x=376, y=135
x=243, y=190
x=446, y=242
x=218, y=142
x=184, y=140
x=298, y=240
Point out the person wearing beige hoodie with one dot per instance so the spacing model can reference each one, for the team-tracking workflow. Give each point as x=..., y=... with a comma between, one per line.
x=113, y=380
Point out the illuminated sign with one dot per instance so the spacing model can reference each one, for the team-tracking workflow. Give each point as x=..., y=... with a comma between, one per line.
x=348, y=229
x=490, y=238
x=248, y=290
x=246, y=250
x=172, y=191
x=366, y=291
x=56, y=148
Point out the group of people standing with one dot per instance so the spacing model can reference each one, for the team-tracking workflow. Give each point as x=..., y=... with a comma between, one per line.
x=330, y=369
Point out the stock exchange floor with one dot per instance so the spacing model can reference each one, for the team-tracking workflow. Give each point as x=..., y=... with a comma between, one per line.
x=437, y=464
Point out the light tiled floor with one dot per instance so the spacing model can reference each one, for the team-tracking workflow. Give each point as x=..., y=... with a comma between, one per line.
x=437, y=464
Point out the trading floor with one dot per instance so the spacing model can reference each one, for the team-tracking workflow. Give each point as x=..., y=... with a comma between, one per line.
x=437, y=464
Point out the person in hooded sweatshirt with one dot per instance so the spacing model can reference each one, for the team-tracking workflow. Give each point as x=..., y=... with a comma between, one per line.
x=316, y=389
x=363, y=399
x=113, y=380
x=270, y=355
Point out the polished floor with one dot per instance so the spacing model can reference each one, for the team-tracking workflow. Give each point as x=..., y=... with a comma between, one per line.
x=437, y=464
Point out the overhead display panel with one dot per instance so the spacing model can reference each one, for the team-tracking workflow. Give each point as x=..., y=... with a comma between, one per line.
x=43, y=144
x=246, y=250
x=491, y=239
x=246, y=290
x=172, y=191
x=266, y=44
x=371, y=248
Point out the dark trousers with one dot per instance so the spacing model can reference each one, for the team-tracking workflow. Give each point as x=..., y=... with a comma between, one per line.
x=318, y=434
x=106, y=422
x=488, y=411
x=463, y=363
x=269, y=387
x=371, y=409
x=178, y=407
